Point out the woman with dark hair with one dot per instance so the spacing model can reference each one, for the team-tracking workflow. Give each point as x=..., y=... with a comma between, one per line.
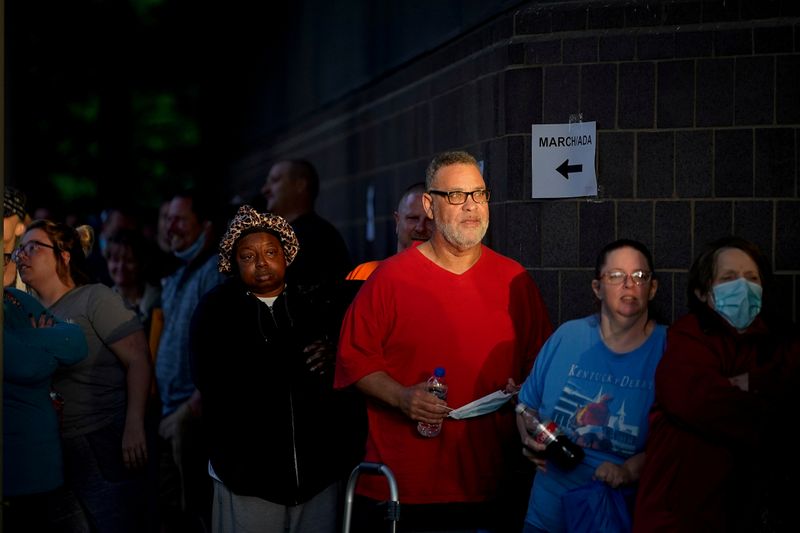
x=720, y=389
x=281, y=440
x=128, y=256
x=103, y=426
x=594, y=378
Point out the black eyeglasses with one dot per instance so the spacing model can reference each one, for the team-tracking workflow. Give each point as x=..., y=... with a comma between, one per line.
x=618, y=277
x=479, y=196
x=29, y=248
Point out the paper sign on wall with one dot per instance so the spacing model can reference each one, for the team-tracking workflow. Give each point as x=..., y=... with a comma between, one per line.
x=562, y=157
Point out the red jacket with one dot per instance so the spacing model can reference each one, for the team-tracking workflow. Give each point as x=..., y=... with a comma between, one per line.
x=704, y=451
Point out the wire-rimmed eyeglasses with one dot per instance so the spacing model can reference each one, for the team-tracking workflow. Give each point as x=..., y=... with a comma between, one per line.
x=479, y=196
x=618, y=277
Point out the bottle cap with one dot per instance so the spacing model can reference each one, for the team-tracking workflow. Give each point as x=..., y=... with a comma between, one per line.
x=439, y=372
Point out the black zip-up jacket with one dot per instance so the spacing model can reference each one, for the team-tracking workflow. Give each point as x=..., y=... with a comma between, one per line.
x=275, y=430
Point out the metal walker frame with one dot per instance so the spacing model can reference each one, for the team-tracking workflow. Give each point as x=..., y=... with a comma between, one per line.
x=393, y=509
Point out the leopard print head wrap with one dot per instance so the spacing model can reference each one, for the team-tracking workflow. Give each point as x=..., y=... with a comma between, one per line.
x=248, y=218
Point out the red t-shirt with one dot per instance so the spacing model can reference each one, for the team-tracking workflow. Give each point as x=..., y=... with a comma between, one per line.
x=483, y=326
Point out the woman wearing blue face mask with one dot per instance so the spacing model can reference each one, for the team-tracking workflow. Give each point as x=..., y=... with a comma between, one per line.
x=722, y=388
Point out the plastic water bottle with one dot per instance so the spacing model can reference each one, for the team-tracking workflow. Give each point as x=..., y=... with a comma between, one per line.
x=559, y=449
x=437, y=386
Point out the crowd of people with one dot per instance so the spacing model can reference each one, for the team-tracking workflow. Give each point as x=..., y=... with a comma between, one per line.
x=227, y=374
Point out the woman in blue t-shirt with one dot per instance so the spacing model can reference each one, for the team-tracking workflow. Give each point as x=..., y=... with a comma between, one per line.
x=594, y=379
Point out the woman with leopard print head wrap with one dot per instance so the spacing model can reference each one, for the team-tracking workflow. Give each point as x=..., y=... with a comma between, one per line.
x=281, y=439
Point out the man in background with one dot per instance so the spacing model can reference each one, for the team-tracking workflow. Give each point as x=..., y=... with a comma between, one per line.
x=412, y=226
x=291, y=191
x=186, y=487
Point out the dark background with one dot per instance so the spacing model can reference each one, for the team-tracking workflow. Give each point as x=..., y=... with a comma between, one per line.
x=109, y=101
x=697, y=105
x=113, y=101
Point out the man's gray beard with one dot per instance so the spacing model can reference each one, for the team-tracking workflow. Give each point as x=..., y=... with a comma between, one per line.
x=457, y=238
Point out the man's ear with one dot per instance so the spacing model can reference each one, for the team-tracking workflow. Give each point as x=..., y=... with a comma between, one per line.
x=596, y=288
x=66, y=256
x=427, y=204
x=19, y=229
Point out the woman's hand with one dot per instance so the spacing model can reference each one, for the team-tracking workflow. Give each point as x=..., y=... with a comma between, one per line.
x=624, y=474
x=742, y=381
x=531, y=449
x=134, y=446
x=535, y=456
x=322, y=356
x=614, y=475
x=44, y=320
x=134, y=354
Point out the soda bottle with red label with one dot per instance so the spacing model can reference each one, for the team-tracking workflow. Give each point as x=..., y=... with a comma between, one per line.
x=558, y=448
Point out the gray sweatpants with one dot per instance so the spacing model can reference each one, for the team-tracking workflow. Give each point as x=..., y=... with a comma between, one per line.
x=232, y=513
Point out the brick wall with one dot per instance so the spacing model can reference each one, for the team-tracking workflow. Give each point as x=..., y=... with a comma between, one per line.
x=697, y=107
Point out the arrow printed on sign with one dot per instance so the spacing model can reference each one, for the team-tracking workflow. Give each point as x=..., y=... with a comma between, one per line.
x=565, y=169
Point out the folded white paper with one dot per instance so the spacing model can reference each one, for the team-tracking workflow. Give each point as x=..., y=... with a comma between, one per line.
x=488, y=404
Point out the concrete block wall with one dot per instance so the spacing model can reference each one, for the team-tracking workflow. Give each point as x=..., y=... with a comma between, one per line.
x=697, y=107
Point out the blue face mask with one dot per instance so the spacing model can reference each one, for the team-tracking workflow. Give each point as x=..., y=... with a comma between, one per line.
x=191, y=252
x=488, y=404
x=738, y=301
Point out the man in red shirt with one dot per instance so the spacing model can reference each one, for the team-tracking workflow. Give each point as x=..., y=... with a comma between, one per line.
x=449, y=302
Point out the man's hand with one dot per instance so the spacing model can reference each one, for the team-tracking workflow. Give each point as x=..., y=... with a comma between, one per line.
x=512, y=387
x=415, y=401
x=420, y=405
x=169, y=425
x=171, y=428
